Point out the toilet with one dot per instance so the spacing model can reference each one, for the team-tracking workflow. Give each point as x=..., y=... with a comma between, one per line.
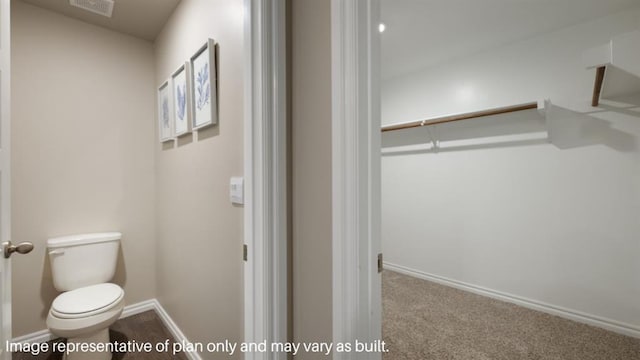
x=81, y=266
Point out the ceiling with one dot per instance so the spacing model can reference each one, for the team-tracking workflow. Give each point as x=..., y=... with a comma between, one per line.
x=424, y=33
x=140, y=18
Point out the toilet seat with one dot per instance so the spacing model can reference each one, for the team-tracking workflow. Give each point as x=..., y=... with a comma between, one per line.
x=87, y=301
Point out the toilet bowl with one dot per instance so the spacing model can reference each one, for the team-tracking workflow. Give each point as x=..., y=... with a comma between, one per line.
x=81, y=265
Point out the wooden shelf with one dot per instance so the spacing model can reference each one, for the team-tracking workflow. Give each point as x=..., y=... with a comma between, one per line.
x=597, y=87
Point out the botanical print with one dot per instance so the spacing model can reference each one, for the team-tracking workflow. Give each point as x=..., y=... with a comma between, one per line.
x=180, y=101
x=164, y=112
x=203, y=89
x=203, y=86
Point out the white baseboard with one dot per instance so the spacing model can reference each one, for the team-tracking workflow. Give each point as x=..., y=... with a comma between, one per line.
x=129, y=310
x=604, y=323
x=35, y=337
x=178, y=335
x=138, y=308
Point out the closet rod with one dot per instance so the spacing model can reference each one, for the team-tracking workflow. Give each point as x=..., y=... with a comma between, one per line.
x=467, y=116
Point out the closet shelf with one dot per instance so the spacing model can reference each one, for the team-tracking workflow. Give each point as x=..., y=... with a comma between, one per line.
x=617, y=67
x=461, y=117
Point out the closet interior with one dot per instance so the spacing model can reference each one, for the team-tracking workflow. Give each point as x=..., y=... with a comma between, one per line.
x=510, y=226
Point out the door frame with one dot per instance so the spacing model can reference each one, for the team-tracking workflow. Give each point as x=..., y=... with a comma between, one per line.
x=356, y=173
x=5, y=174
x=265, y=171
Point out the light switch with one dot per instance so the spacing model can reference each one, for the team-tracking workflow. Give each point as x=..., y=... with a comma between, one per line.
x=237, y=190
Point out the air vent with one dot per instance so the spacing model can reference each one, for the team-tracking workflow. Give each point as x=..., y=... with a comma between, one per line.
x=100, y=7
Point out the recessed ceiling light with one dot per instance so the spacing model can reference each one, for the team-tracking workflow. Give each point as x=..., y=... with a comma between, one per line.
x=382, y=27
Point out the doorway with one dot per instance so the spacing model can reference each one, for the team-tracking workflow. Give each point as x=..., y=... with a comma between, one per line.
x=503, y=224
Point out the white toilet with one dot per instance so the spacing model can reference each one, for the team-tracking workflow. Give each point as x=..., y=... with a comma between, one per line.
x=81, y=265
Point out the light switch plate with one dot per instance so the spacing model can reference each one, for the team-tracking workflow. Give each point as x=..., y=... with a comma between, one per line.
x=236, y=191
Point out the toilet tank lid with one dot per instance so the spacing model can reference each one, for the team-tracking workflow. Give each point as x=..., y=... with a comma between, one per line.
x=82, y=239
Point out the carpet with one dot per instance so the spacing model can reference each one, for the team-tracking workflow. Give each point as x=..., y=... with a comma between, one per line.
x=424, y=320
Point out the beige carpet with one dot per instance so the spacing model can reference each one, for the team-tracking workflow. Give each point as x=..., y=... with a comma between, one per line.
x=423, y=320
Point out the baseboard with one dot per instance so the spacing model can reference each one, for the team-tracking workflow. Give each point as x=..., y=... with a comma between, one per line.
x=129, y=310
x=593, y=320
x=138, y=308
x=35, y=337
x=174, y=329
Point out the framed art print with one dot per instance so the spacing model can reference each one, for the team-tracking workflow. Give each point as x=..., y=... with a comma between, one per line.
x=203, y=76
x=179, y=84
x=165, y=126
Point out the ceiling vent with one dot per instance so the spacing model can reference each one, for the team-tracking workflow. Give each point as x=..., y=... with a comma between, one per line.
x=100, y=7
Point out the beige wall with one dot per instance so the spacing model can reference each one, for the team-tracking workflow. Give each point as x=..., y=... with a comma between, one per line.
x=199, y=231
x=83, y=105
x=311, y=170
x=86, y=163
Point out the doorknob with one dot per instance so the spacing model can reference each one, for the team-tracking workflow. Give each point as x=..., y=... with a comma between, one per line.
x=22, y=248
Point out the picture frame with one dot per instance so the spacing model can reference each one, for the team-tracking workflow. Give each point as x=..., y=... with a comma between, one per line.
x=181, y=100
x=165, y=112
x=203, y=70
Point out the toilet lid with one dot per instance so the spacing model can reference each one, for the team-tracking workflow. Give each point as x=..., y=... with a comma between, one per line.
x=87, y=299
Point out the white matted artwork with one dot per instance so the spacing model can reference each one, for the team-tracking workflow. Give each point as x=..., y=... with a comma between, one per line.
x=203, y=74
x=165, y=126
x=179, y=83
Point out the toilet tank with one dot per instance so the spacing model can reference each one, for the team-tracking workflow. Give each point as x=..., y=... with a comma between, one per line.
x=83, y=260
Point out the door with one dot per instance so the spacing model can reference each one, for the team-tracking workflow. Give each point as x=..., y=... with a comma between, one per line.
x=5, y=201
